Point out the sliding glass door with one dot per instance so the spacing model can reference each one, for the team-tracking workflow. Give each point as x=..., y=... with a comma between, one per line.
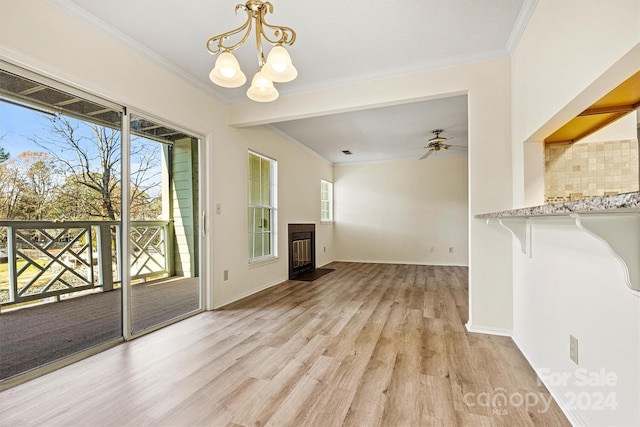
x=99, y=224
x=60, y=219
x=164, y=226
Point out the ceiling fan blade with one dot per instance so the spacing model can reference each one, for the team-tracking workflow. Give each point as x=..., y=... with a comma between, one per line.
x=427, y=154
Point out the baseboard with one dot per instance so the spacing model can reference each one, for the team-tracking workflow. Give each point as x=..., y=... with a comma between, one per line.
x=573, y=417
x=249, y=293
x=488, y=330
x=438, y=264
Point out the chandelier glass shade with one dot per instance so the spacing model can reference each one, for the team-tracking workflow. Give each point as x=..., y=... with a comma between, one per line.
x=227, y=72
x=277, y=67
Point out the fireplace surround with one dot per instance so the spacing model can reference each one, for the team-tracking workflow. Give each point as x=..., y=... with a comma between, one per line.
x=302, y=249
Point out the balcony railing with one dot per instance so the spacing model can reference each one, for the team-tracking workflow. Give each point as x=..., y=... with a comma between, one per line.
x=44, y=259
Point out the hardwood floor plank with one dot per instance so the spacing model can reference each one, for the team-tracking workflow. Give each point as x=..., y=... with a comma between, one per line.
x=305, y=390
x=436, y=405
x=367, y=345
x=434, y=351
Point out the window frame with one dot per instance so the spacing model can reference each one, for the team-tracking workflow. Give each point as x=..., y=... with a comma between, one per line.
x=329, y=218
x=271, y=207
x=56, y=83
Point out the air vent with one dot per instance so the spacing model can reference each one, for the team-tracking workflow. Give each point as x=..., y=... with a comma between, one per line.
x=347, y=152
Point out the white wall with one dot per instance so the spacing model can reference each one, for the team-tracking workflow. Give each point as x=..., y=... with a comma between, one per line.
x=573, y=285
x=488, y=85
x=40, y=36
x=299, y=175
x=564, y=49
x=571, y=53
x=396, y=212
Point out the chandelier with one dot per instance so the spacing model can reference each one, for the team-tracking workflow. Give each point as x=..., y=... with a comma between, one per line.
x=276, y=68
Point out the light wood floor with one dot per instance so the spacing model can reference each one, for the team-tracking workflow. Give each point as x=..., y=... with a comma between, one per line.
x=44, y=333
x=366, y=345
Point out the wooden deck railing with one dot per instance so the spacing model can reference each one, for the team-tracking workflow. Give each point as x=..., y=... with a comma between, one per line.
x=51, y=258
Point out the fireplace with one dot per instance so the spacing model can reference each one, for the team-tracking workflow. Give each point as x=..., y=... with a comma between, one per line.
x=302, y=249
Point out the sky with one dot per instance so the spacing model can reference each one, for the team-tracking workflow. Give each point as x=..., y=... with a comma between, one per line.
x=19, y=125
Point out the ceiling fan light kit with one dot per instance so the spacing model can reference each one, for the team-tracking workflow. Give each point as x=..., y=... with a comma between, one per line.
x=437, y=143
x=277, y=67
x=437, y=138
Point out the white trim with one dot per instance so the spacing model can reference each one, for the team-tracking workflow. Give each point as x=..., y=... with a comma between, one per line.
x=573, y=417
x=488, y=330
x=521, y=23
x=300, y=145
x=31, y=67
x=255, y=291
x=447, y=155
x=249, y=293
x=451, y=61
x=257, y=262
x=73, y=9
x=27, y=73
x=273, y=209
x=208, y=198
x=402, y=262
x=329, y=200
x=125, y=225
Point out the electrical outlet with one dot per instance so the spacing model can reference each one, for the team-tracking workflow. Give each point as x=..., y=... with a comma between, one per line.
x=431, y=249
x=450, y=249
x=218, y=208
x=573, y=348
x=325, y=248
x=226, y=275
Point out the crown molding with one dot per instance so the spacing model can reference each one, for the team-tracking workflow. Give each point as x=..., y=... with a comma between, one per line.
x=296, y=142
x=93, y=21
x=521, y=23
x=417, y=67
x=522, y=20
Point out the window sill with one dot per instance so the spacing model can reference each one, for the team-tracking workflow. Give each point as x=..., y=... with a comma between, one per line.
x=258, y=262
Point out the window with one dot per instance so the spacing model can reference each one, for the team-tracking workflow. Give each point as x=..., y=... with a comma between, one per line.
x=326, y=200
x=262, y=207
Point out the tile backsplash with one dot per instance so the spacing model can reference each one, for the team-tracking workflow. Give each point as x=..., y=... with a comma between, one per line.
x=581, y=170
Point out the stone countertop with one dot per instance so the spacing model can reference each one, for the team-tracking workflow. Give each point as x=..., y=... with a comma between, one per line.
x=626, y=201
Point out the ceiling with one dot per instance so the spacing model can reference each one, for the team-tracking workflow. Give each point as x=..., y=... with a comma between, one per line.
x=338, y=42
x=620, y=101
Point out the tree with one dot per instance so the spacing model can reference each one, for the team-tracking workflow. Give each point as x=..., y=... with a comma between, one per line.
x=27, y=186
x=4, y=155
x=42, y=178
x=12, y=187
x=90, y=158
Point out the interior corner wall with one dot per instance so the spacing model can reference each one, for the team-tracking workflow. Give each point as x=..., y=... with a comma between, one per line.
x=571, y=53
x=488, y=86
x=42, y=37
x=559, y=65
x=565, y=47
x=408, y=212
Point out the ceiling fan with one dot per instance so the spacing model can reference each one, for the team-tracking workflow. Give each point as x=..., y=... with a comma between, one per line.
x=437, y=143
